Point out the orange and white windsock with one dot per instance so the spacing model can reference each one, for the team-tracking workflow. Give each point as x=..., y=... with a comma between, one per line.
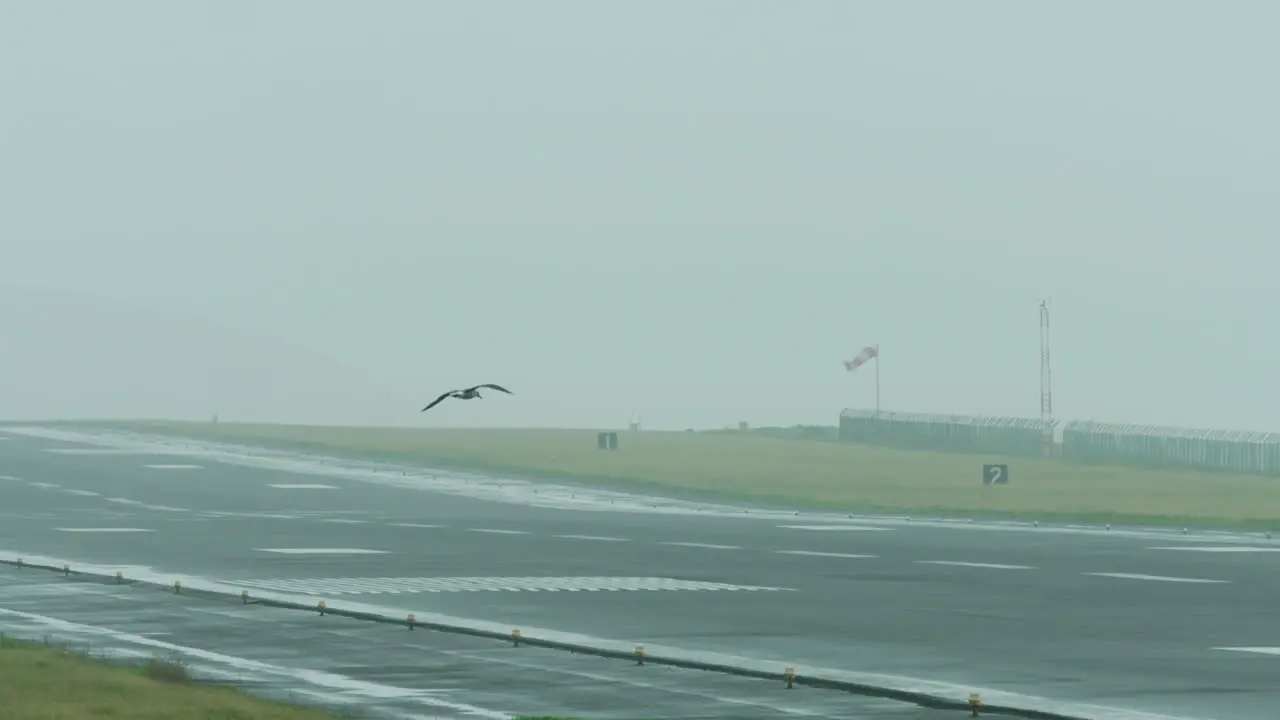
x=867, y=353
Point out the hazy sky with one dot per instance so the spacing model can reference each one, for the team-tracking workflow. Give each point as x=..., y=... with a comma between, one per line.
x=690, y=210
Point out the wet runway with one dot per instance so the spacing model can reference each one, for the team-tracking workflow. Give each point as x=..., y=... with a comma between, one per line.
x=1154, y=622
x=365, y=670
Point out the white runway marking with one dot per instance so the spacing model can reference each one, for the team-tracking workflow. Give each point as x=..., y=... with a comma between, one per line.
x=46, y=485
x=83, y=493
x=815, y=553
x=497, y=532
x=218, y=514
x=336, y=689
x=176, y=467
x=303, y=486
x=11, y=478
x=123, y=501
x=708, y=546
x=345, y=521
x=1220, y=548
x=394, y=585
x=414, y=525
x=833, y=528
x=1258, y=650
x=592, y=537
x=1157, y=578
x=103, y=530
x=958, y=563
x=776, y=708
x=96, y=451
x=322, y=551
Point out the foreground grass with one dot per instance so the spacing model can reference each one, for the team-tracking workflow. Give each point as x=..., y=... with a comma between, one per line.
x=800, y=473
x=39, y=682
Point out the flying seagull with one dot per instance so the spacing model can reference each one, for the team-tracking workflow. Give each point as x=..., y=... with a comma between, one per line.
x=470, y=393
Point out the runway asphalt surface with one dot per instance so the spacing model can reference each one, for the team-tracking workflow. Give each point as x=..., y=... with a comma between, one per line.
x=1121, y=620
x=363, y=670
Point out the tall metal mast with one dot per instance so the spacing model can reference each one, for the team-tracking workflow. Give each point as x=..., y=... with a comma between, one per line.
x=1046, y=388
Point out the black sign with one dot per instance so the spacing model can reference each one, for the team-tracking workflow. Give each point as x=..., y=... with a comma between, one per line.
x=995, y=474
x=607, y=440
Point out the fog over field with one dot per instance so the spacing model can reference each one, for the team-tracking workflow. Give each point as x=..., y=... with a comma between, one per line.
x=692, y=211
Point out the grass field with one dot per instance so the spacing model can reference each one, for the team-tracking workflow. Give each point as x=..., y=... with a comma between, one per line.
x=801, y=473
x=39, y=682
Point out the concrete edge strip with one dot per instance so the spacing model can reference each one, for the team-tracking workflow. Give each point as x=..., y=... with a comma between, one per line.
x=925, y=693
x=335, y=689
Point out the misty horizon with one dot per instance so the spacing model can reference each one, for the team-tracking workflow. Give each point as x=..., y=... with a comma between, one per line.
x=332, y=213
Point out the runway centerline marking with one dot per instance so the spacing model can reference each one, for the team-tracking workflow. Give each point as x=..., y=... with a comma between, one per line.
x=1219, y=548
x=98, y=451
x=414, y=525
x=104, y=530
x=303, y=486
x=344, y=521
x=322, y=551
x=959, y=563
x=1257, y=650
x=175, y=467
x=600, y=538
x=219, y=515
x=498, y=532
x=708, y=546
x=124, y=501
x=1156, y=578
x=834, y=528
x=815, y=553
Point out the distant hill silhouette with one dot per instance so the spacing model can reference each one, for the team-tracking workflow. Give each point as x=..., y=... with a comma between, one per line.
x=70, y=356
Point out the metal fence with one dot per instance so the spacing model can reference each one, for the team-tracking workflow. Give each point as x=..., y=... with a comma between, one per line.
x=1171, y=447
x=1081, y=441
x=950, y=433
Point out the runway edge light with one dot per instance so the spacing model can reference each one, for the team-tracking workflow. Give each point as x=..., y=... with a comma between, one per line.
x=639, y=654
x=515, y=638
x=412, y=620
x=320, y=607
x=975, y=702
x=790, y=676
x=177, y=587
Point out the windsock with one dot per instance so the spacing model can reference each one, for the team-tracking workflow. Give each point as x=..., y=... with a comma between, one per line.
x=867, y=353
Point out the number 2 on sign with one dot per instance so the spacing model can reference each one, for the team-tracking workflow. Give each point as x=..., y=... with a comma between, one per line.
x=996, y=473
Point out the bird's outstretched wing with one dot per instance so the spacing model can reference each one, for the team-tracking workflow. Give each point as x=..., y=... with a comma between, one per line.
x=437, y=401
x=499, y=388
